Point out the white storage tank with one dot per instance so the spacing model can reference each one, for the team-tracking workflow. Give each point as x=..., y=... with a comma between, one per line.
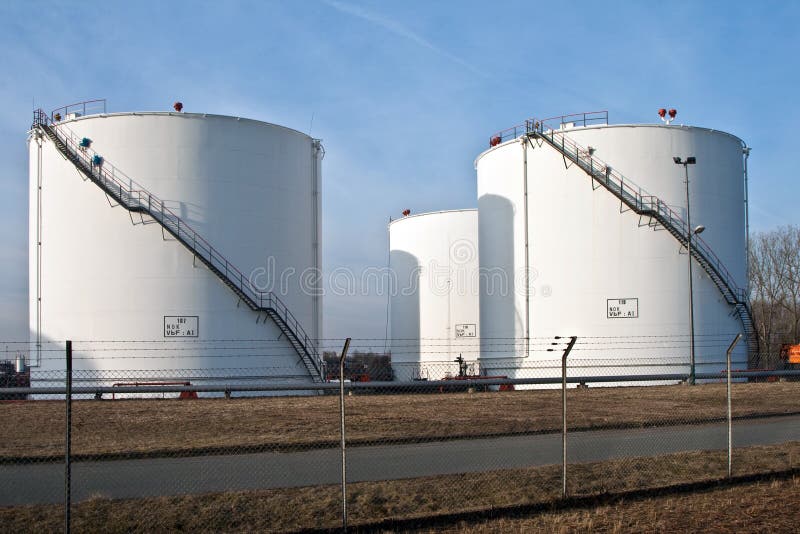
x=434, y=303
x=111, y=274
x=597, y=269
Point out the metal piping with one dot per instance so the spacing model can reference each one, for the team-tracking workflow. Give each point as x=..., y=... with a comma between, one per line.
x=389, y=286
x=524, y=140
x=746, y=153
x=429, y=385
x=315, y=236
x=38, y=138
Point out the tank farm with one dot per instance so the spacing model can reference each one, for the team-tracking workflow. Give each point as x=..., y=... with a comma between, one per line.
x=584, y=227
x=170, y=227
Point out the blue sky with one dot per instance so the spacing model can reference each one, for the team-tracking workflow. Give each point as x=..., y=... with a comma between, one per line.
x=403, y=94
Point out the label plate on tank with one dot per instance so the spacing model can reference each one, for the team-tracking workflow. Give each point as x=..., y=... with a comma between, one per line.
x=465, y=330
x=181, y=325
x=623, y=308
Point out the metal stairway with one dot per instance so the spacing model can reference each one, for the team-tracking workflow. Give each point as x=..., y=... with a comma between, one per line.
x=142, y=201
x=654, y=208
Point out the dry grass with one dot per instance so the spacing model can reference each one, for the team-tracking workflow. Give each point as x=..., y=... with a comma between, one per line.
x=102, y=427
x=768, y=506
x=369, y=502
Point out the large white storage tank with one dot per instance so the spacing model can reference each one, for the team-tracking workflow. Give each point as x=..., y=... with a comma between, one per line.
x=140, y=304
x=434, y=305
x=596, y=269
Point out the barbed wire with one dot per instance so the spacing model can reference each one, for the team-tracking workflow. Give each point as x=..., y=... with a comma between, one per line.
x=698, y=335
x=156, y=353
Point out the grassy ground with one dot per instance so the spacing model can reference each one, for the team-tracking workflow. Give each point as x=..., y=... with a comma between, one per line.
x=102, y=427
x=370, y=502
x=768, y=506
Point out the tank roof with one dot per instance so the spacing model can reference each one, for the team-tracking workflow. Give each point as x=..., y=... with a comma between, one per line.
x=439, y=212
x=654, y=125
x=607, y=126
x=182, y=115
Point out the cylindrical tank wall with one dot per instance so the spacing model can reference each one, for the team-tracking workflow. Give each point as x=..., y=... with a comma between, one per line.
x=434, y=303
x=586, y=253
x=100, y=273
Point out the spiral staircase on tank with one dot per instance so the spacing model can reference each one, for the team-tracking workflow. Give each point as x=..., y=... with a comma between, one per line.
x=655, y=209
x=143, y=202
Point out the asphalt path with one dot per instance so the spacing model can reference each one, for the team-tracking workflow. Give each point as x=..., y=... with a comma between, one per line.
x=44, y=483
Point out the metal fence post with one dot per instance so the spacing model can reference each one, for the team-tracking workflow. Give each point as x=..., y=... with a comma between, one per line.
x=343, y=444
x=68, y=442
x=730, y=412
x=571, y=344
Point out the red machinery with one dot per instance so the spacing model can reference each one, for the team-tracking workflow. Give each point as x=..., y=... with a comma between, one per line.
x=790, y=354
x=463, y=375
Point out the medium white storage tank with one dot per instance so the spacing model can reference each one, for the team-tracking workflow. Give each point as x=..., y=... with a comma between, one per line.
x=598, y=270
x=434, y=305
x=243, y=196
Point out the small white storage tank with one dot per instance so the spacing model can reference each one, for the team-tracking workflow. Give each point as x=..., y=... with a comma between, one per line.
x=140, y=304
x=434, y=303
x=600, y=271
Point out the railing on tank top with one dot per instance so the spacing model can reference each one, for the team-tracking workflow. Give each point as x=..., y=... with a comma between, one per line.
x=587, y=118
x=137, y=198
x=87, y=107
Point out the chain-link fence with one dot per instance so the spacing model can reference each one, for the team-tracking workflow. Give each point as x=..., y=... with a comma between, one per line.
x=152, y=437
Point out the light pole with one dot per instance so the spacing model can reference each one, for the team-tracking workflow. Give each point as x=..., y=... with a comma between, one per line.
x=691, y=160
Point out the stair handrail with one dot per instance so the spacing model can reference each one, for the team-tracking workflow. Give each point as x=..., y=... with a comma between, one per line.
x=263, y=299
x=142, y=192
x=637, y=194
x=637, y=200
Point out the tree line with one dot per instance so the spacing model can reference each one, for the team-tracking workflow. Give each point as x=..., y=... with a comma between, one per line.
x=774, y=264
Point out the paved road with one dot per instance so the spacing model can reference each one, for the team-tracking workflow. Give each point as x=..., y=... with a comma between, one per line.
x=44, y=483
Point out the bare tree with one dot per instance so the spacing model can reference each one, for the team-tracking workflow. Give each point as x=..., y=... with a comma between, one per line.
x=775, y=291
x=790, y=248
